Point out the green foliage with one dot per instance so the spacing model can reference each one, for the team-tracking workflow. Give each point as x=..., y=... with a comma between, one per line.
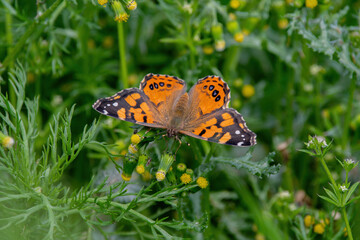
x=293, y=72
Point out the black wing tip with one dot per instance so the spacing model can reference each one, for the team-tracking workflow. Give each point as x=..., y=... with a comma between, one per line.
x=97, y=104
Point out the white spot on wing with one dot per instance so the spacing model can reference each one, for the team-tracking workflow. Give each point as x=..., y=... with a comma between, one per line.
x=240, y=143
x=105, y=112
x=115, y=104
x=108, y=105
x=242, y=135
x=237, y=132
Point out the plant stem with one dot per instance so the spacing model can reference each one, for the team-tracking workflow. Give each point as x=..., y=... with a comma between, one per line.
x=348, y=229
x=9, y=43
x=122, y=54
x=348, y=111
x=328, y=173
x=190, y=43
x=20, y=44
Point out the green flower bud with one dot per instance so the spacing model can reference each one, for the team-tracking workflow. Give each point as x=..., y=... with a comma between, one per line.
x=233, y=27
x=217, y=32
x=140, y=168
x=129, y=165
x=166, y=161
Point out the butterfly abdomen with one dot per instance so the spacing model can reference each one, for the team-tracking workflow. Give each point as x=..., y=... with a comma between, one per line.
x=179, y=111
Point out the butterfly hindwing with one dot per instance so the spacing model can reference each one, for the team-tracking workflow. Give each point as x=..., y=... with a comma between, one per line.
x=224, y=126
x=131, y=105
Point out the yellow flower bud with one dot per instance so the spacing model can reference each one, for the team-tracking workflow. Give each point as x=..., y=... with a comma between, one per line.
x=135, y=139
x=319, y=229
x=309, y=220
x=185, y=178
x=207, y=49
x=133, y=149
x=239, y=37
x=248, y=91
x=311, y=3
x=202, y=182
x=103, y=2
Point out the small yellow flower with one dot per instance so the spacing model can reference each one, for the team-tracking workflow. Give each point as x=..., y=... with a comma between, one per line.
x=283, y=23
x=103, y=2
x=235, y=4
x=239, y=37
x=309, y=220
x=319, y=229
x=160, y=175
x=7, y=142
x=108, y=42
x=120, y=14
x=131, y=5
x=140, y=169
x=207, y=49
x=289, y=1
x=202, y=182
x=220, y=45
x=135, y=139
x=345, y=232
x=248, y=91
x=123, y=152
x=133, y=149
x=324, y=222
x=311, y=3
x=185, y=178
x=122, y=17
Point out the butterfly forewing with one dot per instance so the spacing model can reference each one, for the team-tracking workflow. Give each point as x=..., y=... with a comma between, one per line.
x=131, y=105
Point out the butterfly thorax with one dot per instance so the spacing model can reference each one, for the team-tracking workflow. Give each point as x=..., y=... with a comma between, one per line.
x=179, y=112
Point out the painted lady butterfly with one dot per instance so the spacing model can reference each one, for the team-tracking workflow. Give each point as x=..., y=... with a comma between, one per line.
x=162, y=102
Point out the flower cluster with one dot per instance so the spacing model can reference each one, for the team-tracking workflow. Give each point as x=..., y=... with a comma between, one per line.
x=119, y=8
x=140, y=162
x=318, y=226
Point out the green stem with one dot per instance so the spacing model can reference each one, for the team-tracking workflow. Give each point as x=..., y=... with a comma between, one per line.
x=122, y=54
x=30, y=30
x=9, y=42
x=348, y=229
x=329, y=174
x=348, y=112
x=190, y=42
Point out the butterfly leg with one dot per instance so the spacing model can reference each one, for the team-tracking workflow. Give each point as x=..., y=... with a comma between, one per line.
x=178, y=139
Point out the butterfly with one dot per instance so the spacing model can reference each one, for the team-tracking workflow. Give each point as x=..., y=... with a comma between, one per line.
x=161, y=101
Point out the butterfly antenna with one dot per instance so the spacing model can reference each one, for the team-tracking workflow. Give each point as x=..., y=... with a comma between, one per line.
x=177, y=138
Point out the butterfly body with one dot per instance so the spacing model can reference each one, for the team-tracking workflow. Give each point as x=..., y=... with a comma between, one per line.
x=162, y=102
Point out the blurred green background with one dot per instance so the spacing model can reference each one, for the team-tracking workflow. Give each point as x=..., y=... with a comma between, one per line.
x=293, y=68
